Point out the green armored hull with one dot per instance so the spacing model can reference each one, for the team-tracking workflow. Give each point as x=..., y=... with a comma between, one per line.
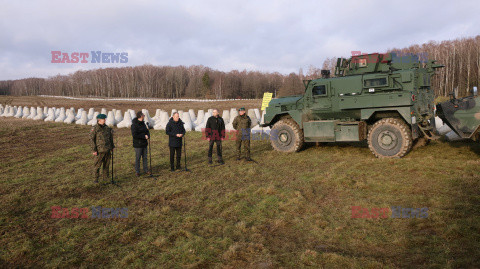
x=381, y=98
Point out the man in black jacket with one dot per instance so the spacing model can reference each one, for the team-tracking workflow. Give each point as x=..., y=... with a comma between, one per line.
x=140, y=134
x=175, y=130
x=215, y=133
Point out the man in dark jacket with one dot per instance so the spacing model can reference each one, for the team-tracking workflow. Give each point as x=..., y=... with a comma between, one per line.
x=215, y=133
x=175, y=130
x=140, y=136
x=101, y=143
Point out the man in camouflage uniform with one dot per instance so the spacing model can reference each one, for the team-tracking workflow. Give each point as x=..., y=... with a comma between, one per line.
x=101, y=141
x=242, y=123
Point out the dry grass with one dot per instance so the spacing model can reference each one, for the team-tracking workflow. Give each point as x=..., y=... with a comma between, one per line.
x=285, y=210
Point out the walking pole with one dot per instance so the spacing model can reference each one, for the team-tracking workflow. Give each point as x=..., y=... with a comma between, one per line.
x=185, y=151
x=113, y=182
x=150, y=154
x=112, y=158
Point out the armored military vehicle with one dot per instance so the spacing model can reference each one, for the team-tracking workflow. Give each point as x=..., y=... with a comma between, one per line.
x=385, y=99
x=462, y=115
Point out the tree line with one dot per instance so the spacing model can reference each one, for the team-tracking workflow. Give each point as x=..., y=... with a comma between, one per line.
x=461, y=58
x=151, y=81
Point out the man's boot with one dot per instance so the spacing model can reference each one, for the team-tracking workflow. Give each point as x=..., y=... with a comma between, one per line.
x=178, y=164
x=210, y=160
x=105, y=179
x=220, y=160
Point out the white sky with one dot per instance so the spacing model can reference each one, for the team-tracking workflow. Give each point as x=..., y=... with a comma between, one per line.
x=257, y=35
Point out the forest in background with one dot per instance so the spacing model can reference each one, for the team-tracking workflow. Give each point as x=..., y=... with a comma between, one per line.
x=461, y=58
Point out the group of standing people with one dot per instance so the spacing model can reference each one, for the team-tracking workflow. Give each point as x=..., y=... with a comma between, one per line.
x=141, y=139
x=101, y=139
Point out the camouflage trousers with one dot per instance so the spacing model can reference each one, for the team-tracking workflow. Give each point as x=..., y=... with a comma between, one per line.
x=102, y=159
x=246, y=147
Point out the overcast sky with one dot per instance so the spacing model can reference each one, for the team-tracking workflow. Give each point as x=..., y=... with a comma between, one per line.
x=258, y=35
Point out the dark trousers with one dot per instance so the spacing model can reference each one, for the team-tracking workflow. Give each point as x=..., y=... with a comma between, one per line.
x=102, y=159
x=141, y=153
x=219, y=149
x=172, y=156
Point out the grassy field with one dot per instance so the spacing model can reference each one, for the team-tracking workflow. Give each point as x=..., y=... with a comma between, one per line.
x=283, y=210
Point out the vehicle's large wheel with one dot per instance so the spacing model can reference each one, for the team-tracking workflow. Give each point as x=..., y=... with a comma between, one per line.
x=390, y=138
x=286, y=136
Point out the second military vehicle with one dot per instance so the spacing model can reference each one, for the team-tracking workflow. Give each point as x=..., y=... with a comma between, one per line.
x=382, y=98
x=462, y=115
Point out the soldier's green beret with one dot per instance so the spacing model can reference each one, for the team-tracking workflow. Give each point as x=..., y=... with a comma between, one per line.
x=242, y=109
x=101, y=116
